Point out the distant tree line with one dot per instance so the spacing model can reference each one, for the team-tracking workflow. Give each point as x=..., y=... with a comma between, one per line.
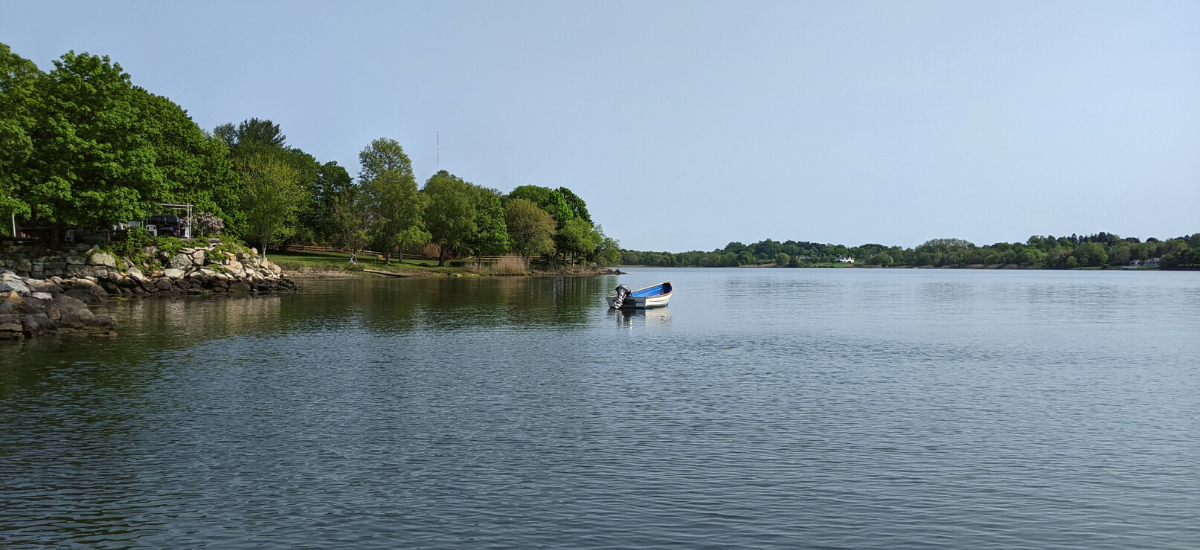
x=1098, y=250
x=81, y=146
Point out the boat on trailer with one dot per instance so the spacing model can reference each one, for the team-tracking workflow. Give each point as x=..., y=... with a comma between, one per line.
x=651, y=296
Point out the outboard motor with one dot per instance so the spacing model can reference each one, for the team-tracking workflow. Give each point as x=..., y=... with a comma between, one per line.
x=622, y=293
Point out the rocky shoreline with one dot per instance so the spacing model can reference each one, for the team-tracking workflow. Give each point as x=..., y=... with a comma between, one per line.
x=46, y=291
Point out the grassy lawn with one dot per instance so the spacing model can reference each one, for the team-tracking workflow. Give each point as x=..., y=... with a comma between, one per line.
x=339, y=261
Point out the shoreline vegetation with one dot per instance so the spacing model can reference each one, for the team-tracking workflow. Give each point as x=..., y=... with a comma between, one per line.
x=336, y=265
x=88, y=156
x=1097, y=251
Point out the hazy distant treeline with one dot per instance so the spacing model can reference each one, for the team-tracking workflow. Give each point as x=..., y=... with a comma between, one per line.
x=1099, y=250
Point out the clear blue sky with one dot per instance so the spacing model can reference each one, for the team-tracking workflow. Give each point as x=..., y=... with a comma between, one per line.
x=686, y=125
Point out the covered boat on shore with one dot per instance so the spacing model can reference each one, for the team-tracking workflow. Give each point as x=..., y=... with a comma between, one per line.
x=651, y=296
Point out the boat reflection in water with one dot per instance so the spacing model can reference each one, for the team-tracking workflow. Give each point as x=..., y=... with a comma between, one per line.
x=641, y=317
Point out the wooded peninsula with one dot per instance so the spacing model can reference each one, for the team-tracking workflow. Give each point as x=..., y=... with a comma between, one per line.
x=82, y=149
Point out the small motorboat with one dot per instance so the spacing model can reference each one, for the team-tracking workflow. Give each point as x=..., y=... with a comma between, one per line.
x=651, y=296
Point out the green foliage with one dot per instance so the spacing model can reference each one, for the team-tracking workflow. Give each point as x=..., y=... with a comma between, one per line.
x=271, y=196
x=550, y=200
x=451, y=214
x=491, y=233
x=251, y=133
x=530, y=229
x=608, y=250
x=136, y=240
x=228, y=245
x=81, y=145
x=170, y=245
x=782, y=259
x=1093, y=251
x=390, y=200
x=19, y=101
x=578, y=207
x=577, y=238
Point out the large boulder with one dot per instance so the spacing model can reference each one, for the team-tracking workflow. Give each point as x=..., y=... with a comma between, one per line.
x=181, y=261
x=198, y=257
x=163, y=284
x=173, y=273
x=86, y=291
x=103, y=258
x=63, y=304
x=74, y=260
x=136, y=274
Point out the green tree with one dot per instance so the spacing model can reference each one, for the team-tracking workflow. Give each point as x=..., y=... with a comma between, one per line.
x=608, y=249
x=530, y=229
x=19, y=102
x=491, y=234
x=390, y=191
x=782, y=259
x=271, y=196
x=577, y=205
x=551, y=201
x=451, y=214
x=93, y=158
x=577, y=239
x=349, y=219
x=251, y=133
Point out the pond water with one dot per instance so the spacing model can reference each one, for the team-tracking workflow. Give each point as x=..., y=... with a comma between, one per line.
x=764, y=408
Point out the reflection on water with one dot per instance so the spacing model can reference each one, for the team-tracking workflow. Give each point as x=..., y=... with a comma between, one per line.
x=764, y=408
x=660, y=316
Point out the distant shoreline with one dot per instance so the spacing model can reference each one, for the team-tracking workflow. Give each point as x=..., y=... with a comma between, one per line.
x=1008, y=267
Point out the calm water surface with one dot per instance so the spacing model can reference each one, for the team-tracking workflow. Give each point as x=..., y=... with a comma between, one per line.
x=765, y=408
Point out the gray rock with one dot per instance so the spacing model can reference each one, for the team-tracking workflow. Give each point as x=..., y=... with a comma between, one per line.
x=66, y=303
x=173, y=273
x=136, y=274
x=42, y=296
x=198, y=257
x=234, y=266
x=24, y=265
x=163, y=284
x=7, y=307
x=181, y=261
x=103, y=258
x=84, y=296
x=14, y=286
x=76, y=260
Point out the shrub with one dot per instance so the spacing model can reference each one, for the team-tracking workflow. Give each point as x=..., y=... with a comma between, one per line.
x=170, y=245
x=135, y=240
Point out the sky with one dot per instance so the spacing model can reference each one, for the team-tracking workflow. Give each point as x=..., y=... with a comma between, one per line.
x=687, y=125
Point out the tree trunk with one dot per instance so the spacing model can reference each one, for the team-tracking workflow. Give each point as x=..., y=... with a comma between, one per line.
x=264, y=251
x=389, y=258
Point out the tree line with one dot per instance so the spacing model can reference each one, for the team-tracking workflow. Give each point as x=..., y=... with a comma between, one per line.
x=1049, y=252
x=81, y=146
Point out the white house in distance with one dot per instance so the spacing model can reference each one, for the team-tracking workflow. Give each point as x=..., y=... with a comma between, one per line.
x=845, y=259
x=1151, y=262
